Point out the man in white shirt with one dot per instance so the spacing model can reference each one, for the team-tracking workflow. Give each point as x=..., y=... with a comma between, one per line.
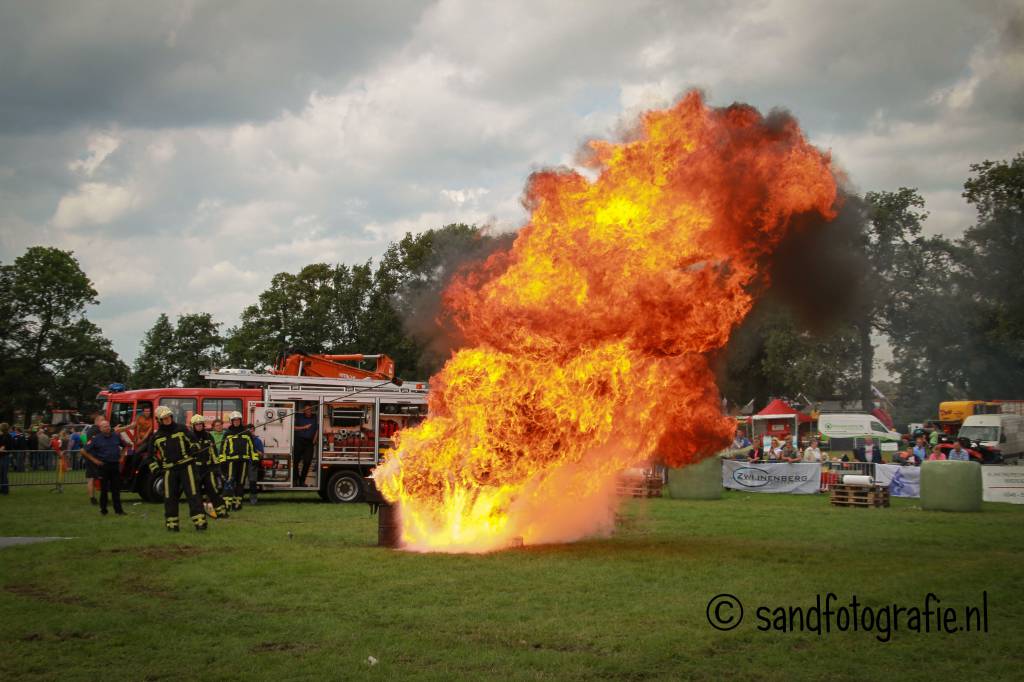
x=812, y=453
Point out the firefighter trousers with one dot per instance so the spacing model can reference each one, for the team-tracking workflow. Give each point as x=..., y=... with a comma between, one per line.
x=230, y=473
x=249, y=477
x=179, y=479
x=208, y=486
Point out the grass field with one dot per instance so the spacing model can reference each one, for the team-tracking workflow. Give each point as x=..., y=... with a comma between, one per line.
x=125, y=599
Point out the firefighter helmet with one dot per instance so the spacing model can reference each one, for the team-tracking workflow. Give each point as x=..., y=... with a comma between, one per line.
x=197, y=419
x=163, y=411
x=234, y=415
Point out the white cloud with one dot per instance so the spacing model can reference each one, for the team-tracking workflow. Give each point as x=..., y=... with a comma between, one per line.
x=162, y=150
x=99, y=147
x=462, y=196
x=395, y=229
x=222, y=275
x=93, y=203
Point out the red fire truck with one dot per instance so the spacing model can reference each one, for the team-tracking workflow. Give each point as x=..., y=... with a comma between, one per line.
x=358, y=412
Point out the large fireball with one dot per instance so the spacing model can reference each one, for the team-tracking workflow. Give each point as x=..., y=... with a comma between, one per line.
x=589, y=342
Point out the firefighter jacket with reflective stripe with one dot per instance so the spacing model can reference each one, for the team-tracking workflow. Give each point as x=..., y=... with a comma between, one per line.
x=238, y=445
x=203, y=446
x=173, y=446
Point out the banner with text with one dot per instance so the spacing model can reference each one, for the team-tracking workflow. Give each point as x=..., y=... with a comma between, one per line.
x=902, y=481
x=802, y=477
x=1002, y=484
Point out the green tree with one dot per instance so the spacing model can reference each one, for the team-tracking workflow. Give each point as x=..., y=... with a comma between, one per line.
x=296, y=311
x=957, y=330
x=154, y=366
x=992, y=252
x=196, y=348
x=87, y=362
x=893, y=263
x=46, y=292
x=363, y=308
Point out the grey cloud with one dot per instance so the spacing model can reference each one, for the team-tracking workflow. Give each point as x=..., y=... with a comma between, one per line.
x=456, y=97
x=176, y=64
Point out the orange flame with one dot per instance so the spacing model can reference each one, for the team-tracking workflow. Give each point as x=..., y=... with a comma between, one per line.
x=591, y=338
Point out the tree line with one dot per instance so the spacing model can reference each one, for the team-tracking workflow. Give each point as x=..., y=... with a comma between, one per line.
x=951, y=309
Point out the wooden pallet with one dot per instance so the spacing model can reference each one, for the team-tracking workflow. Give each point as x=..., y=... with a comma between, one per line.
x=638, y=487
x=873, y=496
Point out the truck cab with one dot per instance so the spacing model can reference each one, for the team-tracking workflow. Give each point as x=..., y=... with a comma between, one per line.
x=1001, y=433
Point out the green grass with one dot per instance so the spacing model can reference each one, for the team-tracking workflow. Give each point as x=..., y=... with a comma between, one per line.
x=127, y=600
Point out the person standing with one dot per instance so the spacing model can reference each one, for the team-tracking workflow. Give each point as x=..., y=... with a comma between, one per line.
x=920, y=450
x=957, y=453
x=33, y=448
x=7, y=446
x=306, y=429
x=868, y=452
x=242, y=459
x=205, y=454
x=812, y=453
x=91, y=472
x=106, y=452
x=173, y=451
x=789, y=454
x=139, y=431
x=75, y=448
x=217, y=433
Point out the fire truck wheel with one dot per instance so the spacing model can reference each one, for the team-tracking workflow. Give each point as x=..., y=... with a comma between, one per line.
x=154, y=487
x=345, y=486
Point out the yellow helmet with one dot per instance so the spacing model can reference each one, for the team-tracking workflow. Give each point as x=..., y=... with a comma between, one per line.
x=234, y=415
x=197, y=419
x=163, y=411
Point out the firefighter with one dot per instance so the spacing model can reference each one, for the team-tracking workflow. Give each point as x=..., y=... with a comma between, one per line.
x=241, y=460
x=174, y=454
x=206, y=465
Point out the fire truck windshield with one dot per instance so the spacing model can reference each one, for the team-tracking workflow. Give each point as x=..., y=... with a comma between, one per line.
x=182, y=408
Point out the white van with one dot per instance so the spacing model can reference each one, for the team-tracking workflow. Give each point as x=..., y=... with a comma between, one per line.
x=855, y=426
x=1002, y=432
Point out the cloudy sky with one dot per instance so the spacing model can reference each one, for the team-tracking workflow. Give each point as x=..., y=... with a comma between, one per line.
x=186, y=151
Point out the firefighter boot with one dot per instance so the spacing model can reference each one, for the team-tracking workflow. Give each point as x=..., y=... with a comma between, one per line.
x=199, y=520
x=172, y=523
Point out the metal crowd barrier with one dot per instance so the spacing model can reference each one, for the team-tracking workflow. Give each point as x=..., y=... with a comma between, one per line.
x=42, y=467
x=833, y=472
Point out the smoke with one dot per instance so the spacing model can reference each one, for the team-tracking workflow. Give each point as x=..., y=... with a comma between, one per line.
x=452, y=251
x=818, y=269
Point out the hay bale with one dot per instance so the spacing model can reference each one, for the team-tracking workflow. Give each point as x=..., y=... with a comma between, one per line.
x=701, y=481
x=951, y=486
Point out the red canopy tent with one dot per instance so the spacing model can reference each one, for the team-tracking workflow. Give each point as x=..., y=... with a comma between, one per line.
x=779, y=419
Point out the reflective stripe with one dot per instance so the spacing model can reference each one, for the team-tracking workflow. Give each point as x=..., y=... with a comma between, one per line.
x=192, y=481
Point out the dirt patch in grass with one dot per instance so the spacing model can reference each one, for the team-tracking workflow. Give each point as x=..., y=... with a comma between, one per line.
x=170, y=552
x=159, y=552
x=41, y=593
x=62, y=636
x=292, y=647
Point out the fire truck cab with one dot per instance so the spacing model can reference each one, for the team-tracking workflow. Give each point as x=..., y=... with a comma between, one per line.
x=357, y=420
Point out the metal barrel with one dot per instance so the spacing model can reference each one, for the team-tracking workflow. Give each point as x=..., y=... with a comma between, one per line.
x=389, y=523
x=389, y=527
